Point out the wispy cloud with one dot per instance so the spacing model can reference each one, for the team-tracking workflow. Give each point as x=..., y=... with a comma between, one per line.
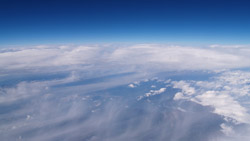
x=94, y=99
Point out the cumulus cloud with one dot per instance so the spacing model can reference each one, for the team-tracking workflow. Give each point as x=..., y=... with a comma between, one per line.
x=224, y=104
x=152, y=93
x=131, y=85
x=227, y=93
x=222, y=93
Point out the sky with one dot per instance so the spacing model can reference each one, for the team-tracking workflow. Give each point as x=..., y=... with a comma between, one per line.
x=30, y=22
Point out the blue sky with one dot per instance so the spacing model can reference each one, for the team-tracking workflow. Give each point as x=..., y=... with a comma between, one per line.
x=140, y=21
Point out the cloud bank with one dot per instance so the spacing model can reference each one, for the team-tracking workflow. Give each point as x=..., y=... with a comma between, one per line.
x=136, y=57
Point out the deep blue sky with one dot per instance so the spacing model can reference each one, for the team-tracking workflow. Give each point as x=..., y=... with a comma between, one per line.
x=96, y=21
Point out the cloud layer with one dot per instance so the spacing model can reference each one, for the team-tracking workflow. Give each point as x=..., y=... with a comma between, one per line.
x=133, y=92
x=136, y=57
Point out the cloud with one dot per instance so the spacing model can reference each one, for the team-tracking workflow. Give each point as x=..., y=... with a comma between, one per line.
x=227, y=129
x=224, y=104
x=222, y=93
x=138, y=57
x=152, y=93
x=84, y=93
x=42, y=113
x=131, y=85
x=28, y=58
x=179, y=58
x=227, y=93
x=228, y=46
x=184, y=86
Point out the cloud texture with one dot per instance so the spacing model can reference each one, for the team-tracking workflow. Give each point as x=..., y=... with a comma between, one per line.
x=129, y=92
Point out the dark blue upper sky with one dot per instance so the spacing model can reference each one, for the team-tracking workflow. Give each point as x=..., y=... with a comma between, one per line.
x=96, y=21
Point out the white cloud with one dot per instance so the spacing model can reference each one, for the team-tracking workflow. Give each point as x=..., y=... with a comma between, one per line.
x=152, y=93
x=184, y=86
x=180, y=58
x=179, y=95
x=224, y=93
x=131, y=86
x=227, y=130
x=138, y=57
x=39, y=105
x=224, y=104
x=47, y=57
x=229, y=46
x=153, y=86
